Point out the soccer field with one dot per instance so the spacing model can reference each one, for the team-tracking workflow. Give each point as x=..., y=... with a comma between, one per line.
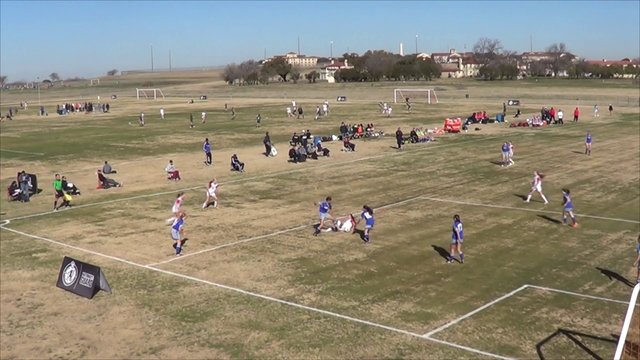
x=255, y=283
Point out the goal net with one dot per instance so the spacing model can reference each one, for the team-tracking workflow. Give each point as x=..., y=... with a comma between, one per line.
x=149, y=94
x=629, y=341
x=94, y=82
x=427, y=95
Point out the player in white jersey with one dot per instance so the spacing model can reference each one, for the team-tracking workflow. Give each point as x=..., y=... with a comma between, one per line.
x=212, y=194
x=510, y=155
x=536, y=185
x=344, y=224
x=176, y=209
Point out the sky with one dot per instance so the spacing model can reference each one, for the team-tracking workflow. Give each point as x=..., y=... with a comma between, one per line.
x=87, y=39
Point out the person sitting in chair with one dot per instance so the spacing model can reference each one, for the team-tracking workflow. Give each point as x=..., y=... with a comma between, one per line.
x=348, y=145
x=311, y=151
x=69, y=187
x=105, y=182
x=13, y=191
x=236, y=164
x=301, y=154
x=323, y=150
x=172, y=172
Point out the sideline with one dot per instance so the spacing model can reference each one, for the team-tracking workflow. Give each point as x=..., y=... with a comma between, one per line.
x=257, y=295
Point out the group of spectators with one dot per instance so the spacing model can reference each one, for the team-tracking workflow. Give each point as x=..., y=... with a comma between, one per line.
x=87, y=107
x=477, y=117
x=356, y=131
x=103, y=181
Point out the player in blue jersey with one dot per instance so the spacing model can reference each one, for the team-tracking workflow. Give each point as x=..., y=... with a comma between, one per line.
x=325, y=214
x=587, y=144
x=505, y=154
x=369, y=221
x=177, y=233
x=568, y=208
x=457, y=238
x=206, y=147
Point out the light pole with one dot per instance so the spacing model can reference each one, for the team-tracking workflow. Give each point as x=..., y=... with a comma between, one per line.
x=151, y=57
x=331, y=51
x=416, y=44
x=38, y=85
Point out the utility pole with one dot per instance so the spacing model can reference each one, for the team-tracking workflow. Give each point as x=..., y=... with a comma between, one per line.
x=331, y=51
x=169, y=60
x=416, y=44
x=151, y=57
x=531, y=42
x=298, y=45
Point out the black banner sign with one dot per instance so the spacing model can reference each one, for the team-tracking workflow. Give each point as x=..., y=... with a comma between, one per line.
x=81, y=278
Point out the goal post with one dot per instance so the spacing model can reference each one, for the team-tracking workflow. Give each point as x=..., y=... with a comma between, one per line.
x=630, y=318
x=94, y=82
x=149, y=94
x=415, y=94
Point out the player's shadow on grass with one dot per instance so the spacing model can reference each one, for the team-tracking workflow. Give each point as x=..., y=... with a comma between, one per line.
x=550, y=219
x=578, y=152
x=360, y=234
x=441, y=251
x=577, y=338
x=612, y=275
x=496, y=162
x=522, y=197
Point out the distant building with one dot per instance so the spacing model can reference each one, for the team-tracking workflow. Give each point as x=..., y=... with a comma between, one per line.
x=454, y=64
x=327, y=73
x=623, y=64
x=300, y=60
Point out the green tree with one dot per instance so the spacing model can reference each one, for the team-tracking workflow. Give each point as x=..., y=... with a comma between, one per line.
x=295, y=75
x=312, y=76
x=278, y=66
x=429, y=69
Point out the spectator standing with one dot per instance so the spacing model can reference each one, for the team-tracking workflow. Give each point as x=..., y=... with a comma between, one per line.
x=267, y=144
x=576, y=114
x=23, y=180
x=399, y=139
x=560, y=117
x=300, y=112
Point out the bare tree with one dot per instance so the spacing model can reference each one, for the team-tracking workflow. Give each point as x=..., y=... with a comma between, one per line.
x=248, y=71
x=112, y=72
x=54, y=76
x=487, y=49
x=560, y=58
x=3, y=80
x=231, y=73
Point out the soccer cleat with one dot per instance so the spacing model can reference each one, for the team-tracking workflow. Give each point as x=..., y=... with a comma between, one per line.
x=546, y=202
x=574, y=225
x=449, y=261
x=316, y=232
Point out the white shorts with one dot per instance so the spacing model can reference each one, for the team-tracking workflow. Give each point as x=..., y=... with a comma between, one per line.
x=212, y=193
x=175, y=209
x=538, y=188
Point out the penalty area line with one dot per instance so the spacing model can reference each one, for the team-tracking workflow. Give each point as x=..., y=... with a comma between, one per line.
x=22, y=152
x=524, y=209
x=256, y=295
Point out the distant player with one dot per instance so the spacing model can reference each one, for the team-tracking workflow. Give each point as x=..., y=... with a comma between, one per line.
x=162, y=113
x=206, y=147
x=212, y=194
x=457, y=238
x=596, y=110
x=587, y=143
x=568, y=208
x=258, y=120
x=408, y=103
x=610, y=109
x=141, y=119
x=177, y=233
x=233, y=113
x=505, y=154
x=346, y=224
x=576, y=114
x=191, y=126
x=510, y=155
x=369, y=221
x=536, y=185
x=324, y=210
x=176, y=208
x=203, y=116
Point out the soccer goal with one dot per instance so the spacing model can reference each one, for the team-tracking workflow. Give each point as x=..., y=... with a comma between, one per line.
x=414, y=95
x=629, y=342
x=94, y=82
x=149, y=94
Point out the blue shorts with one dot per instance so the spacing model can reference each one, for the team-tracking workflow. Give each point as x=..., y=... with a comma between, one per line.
x=324, y=216
x=175, y=234
x=367, y=226
x=455, y=241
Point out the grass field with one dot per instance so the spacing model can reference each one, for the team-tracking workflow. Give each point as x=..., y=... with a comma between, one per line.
x=255, y=283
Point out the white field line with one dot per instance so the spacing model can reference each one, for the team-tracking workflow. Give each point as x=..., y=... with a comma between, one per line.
x=253, y=294
x=277, y=173
x=525, y=209
x=21, y=152
x=469, y=314
x=214, y=248
x=218, y=247
x=577, y=294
